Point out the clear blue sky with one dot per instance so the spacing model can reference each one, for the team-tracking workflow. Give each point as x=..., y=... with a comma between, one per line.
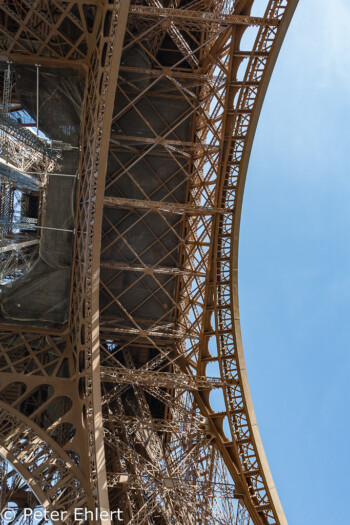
x=294, y=271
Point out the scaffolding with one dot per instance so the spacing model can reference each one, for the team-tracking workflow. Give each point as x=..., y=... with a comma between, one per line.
x=26, y=138
x=19, y=148
x=23, y=181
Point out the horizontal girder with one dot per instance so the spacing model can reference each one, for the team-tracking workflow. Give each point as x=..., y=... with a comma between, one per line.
x=161, y=207
x=18, y=246
x=200, y=17
x=159, y=379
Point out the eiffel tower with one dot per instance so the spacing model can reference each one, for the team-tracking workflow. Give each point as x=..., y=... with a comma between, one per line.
x=126, y=130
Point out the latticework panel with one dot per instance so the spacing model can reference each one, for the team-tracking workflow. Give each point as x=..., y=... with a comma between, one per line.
x=144, y=395
x=186, y=107
x=47, y=32
x=51, y=474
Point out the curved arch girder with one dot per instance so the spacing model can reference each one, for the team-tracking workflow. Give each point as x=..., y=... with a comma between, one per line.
x=246, y=441
x=185, y=261
x=98, y=107
x=48, y=470
x=183, y=266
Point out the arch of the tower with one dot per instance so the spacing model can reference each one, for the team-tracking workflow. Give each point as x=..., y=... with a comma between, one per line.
x=181, y=135
x=43, y=369
x=26, y=489
x=136, y=397
x=49, y=471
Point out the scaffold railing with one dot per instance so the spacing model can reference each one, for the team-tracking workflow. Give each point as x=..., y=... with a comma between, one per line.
x=25, y=136
x=23, y=181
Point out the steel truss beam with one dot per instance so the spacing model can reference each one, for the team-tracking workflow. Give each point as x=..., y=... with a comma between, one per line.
x=164, y=153
x=24, y=136
x=200, y=17
x=147, y=269
x=50, y=472
x=25, y=354
x=161, y=207
x=39, y=35
x=196, y=299
x=18, y=246
x=18, y=259
x=160, y=379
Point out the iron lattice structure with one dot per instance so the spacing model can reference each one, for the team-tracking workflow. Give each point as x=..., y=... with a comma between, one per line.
x=141, y=401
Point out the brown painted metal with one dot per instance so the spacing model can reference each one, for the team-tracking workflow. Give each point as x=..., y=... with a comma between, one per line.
x=200, y=17
x=154, y=298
